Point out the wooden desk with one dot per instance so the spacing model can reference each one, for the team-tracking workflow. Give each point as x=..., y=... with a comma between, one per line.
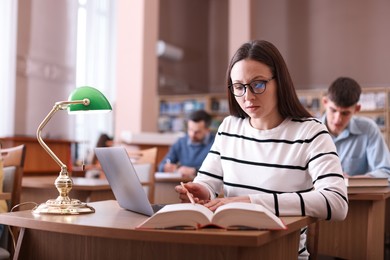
x=361, y=234
x=110, y=234
x=41, y=188
x=38, y=161
x=165, y=183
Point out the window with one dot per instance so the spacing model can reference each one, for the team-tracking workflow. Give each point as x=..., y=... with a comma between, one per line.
x=8, y=27
x=95, y=68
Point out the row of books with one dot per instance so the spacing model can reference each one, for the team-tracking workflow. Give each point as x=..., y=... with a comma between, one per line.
x=180, y=107
x=168, y=123
x=184, y=107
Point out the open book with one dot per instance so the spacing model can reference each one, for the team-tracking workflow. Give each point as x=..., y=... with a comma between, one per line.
x=237, y=215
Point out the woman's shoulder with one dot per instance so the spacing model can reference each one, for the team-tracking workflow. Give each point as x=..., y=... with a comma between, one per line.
x=309, y=123
x=232, y=121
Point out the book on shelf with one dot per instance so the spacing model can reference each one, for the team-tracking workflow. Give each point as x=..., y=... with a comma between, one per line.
x=366, y=182
x=232, y=216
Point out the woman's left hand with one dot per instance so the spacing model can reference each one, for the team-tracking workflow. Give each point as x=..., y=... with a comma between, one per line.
x=215, y=203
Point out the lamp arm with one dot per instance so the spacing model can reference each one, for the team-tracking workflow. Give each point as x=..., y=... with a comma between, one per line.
x=62, y=105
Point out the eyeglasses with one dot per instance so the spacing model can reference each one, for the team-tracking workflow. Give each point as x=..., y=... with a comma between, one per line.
x=256, y=87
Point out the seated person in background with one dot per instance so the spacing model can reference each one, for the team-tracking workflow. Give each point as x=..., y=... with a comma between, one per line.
x=187, y=154
x=359, y=141
x=93, y=170
x=270, y=151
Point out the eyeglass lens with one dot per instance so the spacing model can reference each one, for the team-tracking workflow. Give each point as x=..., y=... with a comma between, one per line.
x=257, y=87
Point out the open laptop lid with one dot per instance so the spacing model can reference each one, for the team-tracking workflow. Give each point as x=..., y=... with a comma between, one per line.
x=123, y=179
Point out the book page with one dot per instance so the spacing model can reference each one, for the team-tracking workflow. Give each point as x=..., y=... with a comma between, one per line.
x=187, y=206
x=179, y=215
x=249, y=215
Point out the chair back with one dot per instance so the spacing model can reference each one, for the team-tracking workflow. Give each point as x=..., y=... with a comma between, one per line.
x=13, y=163
x=146, y=156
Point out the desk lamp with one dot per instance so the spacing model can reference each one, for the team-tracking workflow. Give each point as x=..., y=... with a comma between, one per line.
x=82, y=99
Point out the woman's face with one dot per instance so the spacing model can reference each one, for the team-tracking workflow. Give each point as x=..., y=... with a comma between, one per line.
x=261, y=108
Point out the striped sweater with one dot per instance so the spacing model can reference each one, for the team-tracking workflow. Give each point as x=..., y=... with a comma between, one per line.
x=293, y=169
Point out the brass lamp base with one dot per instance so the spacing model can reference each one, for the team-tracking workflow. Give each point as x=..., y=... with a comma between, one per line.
x=60, y=206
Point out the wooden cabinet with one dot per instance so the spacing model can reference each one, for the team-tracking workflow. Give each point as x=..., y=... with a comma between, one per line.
x=374, y=102
x=38, y=161
x=175, y=108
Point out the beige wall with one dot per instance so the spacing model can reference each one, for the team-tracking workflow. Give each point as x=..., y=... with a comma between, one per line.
x=136, y=105
x=46, y=44
x=320, y=41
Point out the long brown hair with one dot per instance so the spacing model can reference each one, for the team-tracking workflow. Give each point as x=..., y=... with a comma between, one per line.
x=266, y=53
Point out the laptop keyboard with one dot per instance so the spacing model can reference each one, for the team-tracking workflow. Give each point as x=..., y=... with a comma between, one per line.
x=157, y=207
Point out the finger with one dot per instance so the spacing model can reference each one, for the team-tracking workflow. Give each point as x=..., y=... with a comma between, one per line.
x=183, y=198
x=190, y=186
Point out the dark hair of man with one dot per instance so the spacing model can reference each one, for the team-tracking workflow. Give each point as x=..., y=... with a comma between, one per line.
x=266, y=53
x=344, y=92
x=200, y=115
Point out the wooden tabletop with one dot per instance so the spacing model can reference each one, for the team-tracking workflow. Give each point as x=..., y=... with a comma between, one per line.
x=111, y=221
x=171, y=177
x=368, y=193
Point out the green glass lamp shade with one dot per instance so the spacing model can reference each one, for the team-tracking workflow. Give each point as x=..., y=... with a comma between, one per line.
x=98, y=102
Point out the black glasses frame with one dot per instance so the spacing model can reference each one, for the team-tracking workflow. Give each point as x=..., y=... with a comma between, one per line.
x=248, y=85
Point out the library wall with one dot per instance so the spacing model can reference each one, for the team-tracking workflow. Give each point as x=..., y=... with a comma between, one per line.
x=46, y=62
x=320, y=41
x=323, y=40
x=199, y=28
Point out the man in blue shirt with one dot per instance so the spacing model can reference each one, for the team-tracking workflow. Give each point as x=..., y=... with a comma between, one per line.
x=359, y=141
x=187, y=154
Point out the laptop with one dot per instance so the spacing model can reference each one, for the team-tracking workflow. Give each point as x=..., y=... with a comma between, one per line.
x=124, y=181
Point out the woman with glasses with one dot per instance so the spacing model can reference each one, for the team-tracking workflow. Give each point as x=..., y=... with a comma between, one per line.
x=270, y=151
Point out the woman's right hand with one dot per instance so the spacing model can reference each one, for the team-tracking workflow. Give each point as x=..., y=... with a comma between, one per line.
x=200, y=193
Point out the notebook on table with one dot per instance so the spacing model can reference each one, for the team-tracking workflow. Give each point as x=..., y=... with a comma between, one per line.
x=124, y=181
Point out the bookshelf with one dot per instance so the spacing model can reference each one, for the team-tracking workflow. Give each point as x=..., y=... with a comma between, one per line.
x=374, y=102
x=175, y=108
x=312, y=101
